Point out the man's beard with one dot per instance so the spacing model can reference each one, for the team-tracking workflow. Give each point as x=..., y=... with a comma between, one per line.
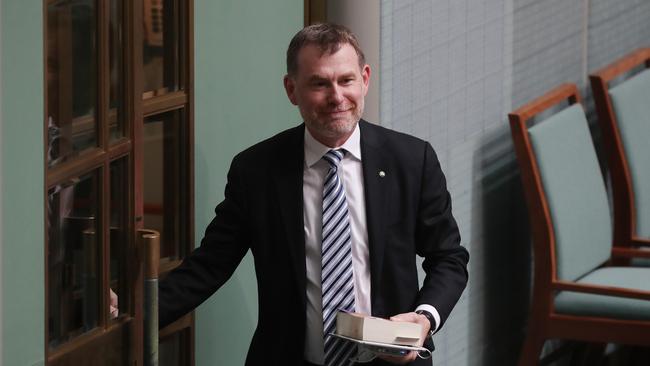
x=337, y=128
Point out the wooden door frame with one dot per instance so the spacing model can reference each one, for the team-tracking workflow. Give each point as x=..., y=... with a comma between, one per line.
x=315, y=11
x=99, y=159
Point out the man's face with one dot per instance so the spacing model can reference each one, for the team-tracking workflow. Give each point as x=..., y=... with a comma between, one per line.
x=329, y=90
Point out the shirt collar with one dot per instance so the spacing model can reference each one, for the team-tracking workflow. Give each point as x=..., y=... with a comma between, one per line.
x=314, y=150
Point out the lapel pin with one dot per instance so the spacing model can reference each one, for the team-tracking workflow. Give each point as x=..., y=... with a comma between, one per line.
x=382, y=174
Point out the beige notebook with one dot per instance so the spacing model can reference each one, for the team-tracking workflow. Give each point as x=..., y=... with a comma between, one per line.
x=368, y=328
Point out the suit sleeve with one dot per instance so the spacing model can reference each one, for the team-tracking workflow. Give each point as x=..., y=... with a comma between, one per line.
x=438, y=241
x=209, y=266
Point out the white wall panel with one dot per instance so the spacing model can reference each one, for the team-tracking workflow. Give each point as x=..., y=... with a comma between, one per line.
x=451, y=71
x=444, y=71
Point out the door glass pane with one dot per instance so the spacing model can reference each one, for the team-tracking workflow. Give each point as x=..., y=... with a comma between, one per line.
x=172, y=350
x=165, y=179
x=118, y=236
x=71, y=78
x=73, y=252
x=116, y=72
x=161, y=48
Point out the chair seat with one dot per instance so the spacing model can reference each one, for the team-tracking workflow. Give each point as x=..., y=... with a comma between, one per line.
x=640, y=262
x=576, y=303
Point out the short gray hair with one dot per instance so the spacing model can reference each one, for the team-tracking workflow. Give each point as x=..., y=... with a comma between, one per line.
x=328, y=37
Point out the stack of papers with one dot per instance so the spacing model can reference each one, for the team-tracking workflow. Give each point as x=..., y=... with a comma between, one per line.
x=368, y=328
x=376, y=336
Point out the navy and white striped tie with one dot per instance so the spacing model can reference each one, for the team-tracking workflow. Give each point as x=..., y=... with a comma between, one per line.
x=337, y=274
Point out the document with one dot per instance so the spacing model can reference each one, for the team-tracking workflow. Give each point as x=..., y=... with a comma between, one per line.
x=371, y=329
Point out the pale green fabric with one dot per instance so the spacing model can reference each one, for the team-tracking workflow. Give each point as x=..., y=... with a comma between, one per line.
x=641, y=262
x=575, y=191
x=576, y=303
x=631, y=102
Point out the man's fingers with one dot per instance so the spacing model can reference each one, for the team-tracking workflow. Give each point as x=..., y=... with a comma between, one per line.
x=405, y=317
x=410, y=357
x=414, y=318
x=410, y=317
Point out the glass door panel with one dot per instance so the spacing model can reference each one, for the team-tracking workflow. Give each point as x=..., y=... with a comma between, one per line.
x=116, y=125
x=165, y=180
x=173, y=349
x=73, y=258
x=118, y=239
x=161, y=47
x=136, y=176
x=71, y=78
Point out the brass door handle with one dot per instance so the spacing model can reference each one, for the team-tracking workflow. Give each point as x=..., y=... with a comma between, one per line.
x=149, y=240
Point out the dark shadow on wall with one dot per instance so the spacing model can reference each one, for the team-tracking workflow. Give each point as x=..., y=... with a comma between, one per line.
x=507, y=251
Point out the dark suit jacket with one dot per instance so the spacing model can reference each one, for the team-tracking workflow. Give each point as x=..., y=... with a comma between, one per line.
x=408, y=213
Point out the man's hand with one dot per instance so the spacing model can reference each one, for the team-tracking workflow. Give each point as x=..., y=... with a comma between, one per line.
x=114, y=307
x=411, y=318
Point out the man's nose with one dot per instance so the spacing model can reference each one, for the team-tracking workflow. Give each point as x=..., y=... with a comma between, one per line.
x=336, y=94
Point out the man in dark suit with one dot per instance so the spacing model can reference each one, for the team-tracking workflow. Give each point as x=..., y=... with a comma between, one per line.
x=334, y=212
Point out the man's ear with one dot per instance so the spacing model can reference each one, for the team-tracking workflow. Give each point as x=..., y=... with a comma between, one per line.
x=290, y=88
x=365, y=77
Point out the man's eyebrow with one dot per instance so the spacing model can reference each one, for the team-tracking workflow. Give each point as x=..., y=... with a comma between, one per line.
x=316, y=78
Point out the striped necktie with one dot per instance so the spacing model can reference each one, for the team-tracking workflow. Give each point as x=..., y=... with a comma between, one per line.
x=337, y=275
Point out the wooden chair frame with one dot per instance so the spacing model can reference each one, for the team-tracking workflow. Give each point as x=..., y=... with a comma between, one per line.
x=624, y=207
x=544, y=323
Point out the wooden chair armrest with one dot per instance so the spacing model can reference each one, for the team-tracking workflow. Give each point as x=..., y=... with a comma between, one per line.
x=625, y=64
x=563, y=92
x=601, y=290
x=640, y=242
x=630, y=252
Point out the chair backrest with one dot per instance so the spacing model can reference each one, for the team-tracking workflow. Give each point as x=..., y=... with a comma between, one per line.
x=631, y=104
x=575, y=192
x=557, y=155
x=624, y=118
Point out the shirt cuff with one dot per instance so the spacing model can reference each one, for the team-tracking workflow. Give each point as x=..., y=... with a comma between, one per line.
x=434, y=312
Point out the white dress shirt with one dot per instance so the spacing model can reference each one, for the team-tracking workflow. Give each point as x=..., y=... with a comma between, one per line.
x=351, y=174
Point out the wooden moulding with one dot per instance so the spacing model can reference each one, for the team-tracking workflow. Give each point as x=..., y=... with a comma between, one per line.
x=541, y=222
x=543, y=322
x=623, y=192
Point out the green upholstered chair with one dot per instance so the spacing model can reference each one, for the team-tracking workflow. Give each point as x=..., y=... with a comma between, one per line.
x=624, y=117
x=577, y=294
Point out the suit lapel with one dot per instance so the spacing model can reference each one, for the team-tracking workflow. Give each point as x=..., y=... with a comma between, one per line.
x=288, y=184
x=375, y=168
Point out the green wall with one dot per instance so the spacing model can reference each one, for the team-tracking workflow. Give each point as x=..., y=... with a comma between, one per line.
x=22, y=183
x=239, y=65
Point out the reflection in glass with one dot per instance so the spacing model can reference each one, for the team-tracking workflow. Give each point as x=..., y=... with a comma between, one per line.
x=172, y=349
x=166, y=181
x=161, y=48
x=118, y=238
x=73, y=252
x=116, y=73
x=71, y=78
